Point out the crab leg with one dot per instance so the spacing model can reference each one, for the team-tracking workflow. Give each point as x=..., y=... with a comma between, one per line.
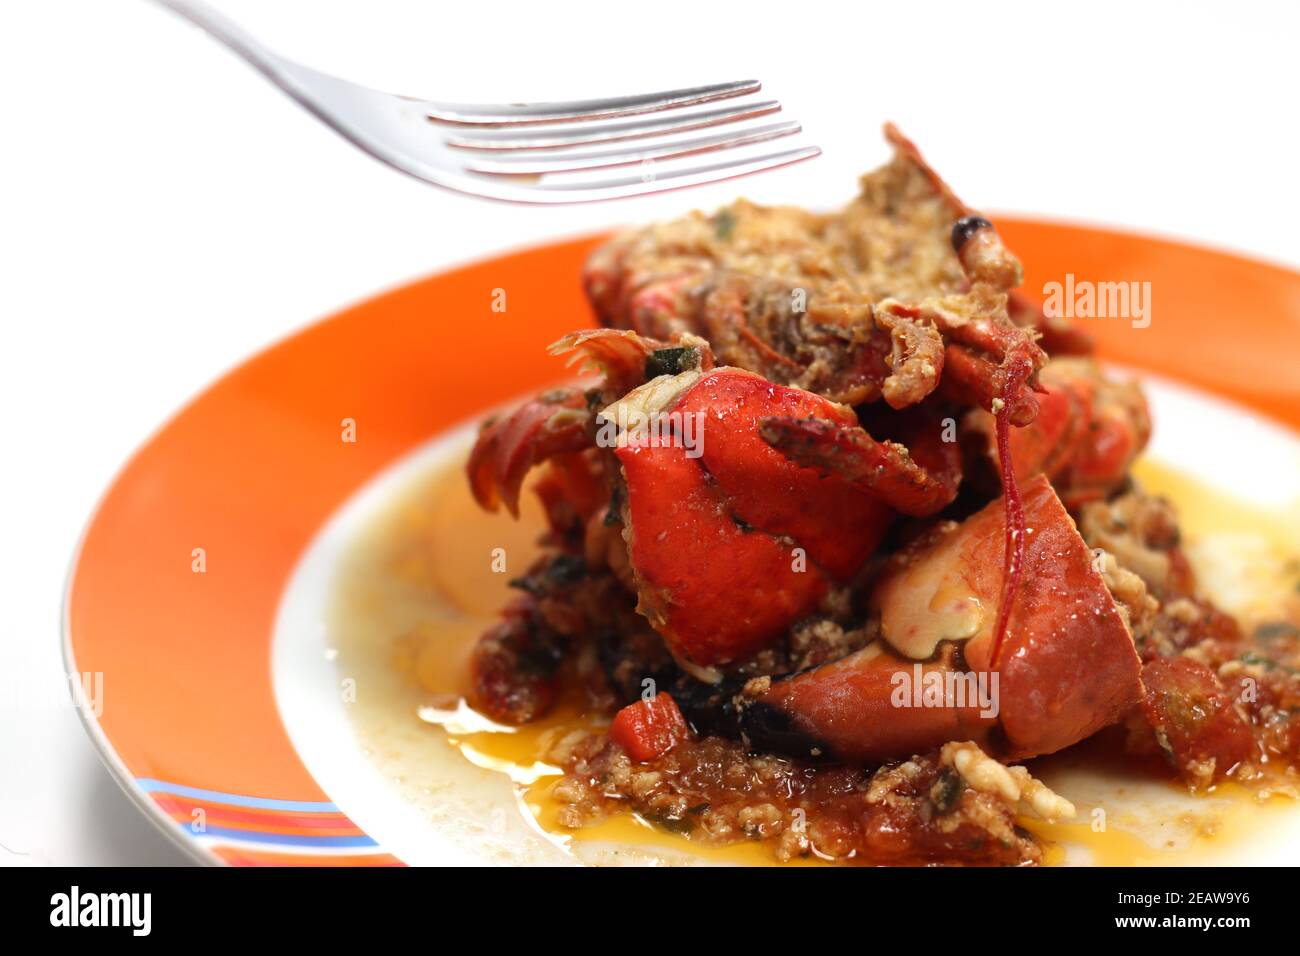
x=560, y=421
x=993, y=272
x=917, y=482
x=507, y=448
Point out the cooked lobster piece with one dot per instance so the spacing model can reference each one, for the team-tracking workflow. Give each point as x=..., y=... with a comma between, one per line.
x=842, y=495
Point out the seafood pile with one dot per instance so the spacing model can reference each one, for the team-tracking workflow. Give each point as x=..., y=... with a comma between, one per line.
x=846, y=514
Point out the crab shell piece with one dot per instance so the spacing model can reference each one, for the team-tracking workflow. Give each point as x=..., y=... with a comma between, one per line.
x=733, y=542
x=1067, y=668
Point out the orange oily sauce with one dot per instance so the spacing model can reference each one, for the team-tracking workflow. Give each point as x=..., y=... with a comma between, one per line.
x=446, y=565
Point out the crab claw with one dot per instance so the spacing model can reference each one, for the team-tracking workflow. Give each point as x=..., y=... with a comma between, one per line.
x=1068, y=666
x=732, y=542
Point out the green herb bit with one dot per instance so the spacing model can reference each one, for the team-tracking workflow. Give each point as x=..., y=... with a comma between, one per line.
x=724, y=224
x=672, y=361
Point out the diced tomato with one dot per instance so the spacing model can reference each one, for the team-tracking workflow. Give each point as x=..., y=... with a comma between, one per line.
x=1194, y=715
x=649, y=728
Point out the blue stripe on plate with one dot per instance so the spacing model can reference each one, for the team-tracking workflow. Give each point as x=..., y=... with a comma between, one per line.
x=283, y=839
x=234, y=799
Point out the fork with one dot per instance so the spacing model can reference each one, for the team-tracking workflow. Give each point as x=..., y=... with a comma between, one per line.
x=531, y=152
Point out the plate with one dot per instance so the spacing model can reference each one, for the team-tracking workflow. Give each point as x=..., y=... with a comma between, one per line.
x=195, y=611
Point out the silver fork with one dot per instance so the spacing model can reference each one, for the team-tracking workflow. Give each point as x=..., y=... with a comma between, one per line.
x=530, y=152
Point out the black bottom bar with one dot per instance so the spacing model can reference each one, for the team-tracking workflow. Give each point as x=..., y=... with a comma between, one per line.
x=371, y=906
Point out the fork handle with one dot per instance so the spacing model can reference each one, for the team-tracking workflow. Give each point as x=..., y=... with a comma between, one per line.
x=220, y=27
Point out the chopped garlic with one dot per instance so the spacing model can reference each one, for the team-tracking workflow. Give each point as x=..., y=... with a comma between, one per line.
x=1014, y=784
x=1045, y=802
x=979, y=770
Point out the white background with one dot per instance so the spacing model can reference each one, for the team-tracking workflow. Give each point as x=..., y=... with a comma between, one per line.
x=164, y=213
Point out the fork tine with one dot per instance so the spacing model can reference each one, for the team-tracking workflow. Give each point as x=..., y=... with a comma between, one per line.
x=515, y=114
x=578, y=134
x=628, y=186
x=525, y=163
